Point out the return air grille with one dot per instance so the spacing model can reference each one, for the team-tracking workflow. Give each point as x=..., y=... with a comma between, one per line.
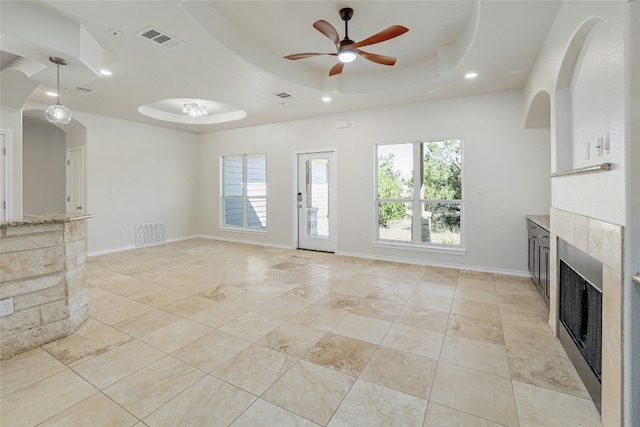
x=150, y=234
x=163, y=39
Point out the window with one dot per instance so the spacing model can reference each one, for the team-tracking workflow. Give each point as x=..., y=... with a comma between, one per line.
x=244, y=191
x=419, y=192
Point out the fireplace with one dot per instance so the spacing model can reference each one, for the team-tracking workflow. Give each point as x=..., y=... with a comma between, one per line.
x=603, y=242
x=580, y=314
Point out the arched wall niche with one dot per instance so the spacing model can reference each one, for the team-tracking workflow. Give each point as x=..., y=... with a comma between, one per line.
x=539, y=112
x=563, y=97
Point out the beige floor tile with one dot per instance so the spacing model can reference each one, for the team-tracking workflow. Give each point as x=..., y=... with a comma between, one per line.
x=91, y=339
x=142, y=324
x=251, y=326
x=292, y=339
x=539, y=407
x=358, y=288
x=394, y=294
x=530, y=335
x=362, y=328
x=320, y=318
x=220, y=293
x=338, y=301
x=146, y=390
x=306, y=293
x=218, y=315
x=478, y=275
x=551, y=371
x=477, y=393
x=114, y=365
x=273, y=287
x=344, y=354
x=281, y=308
x=421, y=342
x=103, y=277
x=479, y=310
x=370, y=404
x=211, y=350
x=486, y=284
x=119, y=313
x=209, y=402
x=189, y=305
x=176, y=335
x=133, y=288
x=443, y=416
x=27, y=368
x=254, y=369
x=265, y=414
x=430, y=302
x=423, y=318
x=42, y=400
x=474, y=328
x=476, y=295
x=249, y=300
x=473, y=354
x=378, y=309
x=161, y=297
x=107, y=301
x=437, y=289
x=310, y=391
x=96, y=411
x=401, y=371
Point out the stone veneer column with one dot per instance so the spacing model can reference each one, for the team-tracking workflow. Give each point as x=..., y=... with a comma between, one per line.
x=42, y=267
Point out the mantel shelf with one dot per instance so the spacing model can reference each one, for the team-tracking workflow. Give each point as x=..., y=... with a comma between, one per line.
x=589, y=169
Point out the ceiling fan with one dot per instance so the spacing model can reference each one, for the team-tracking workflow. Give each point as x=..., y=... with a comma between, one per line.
x=347, y=49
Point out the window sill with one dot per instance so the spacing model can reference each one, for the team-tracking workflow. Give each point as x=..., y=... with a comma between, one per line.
x=243, y=230
x=451, y=250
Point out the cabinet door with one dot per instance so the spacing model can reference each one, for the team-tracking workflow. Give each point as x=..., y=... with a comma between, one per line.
x=544, y=271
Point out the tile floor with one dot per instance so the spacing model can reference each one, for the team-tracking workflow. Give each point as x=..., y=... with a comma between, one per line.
x=208, y=333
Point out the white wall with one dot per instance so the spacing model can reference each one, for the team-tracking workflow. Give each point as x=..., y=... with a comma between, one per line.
x=605, y=100
x=510, y=164
x=11, y=121
x=137, y=174
x=44, y=153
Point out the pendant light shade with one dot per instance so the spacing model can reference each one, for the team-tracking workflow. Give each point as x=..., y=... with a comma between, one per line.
x=58, y=113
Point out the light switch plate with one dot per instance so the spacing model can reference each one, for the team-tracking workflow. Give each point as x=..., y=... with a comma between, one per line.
x=587, y=149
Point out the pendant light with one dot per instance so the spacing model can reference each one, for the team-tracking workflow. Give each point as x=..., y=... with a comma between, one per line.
x=58, y=113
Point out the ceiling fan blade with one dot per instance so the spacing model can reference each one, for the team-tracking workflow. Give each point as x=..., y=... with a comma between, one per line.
x=378, y=59
x=384, y=35
x=328, y=30
x=307, y=55
x=336, y=69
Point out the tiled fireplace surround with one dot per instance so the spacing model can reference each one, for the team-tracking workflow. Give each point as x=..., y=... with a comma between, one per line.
x=603, y=241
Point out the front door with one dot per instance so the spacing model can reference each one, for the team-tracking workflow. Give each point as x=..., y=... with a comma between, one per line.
x=317, y=210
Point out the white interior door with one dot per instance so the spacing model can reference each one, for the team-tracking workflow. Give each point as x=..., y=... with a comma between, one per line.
x=317, y=209
x=4, y=177
x=75, y=180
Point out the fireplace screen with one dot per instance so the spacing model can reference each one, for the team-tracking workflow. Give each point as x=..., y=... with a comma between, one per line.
x=581, y=314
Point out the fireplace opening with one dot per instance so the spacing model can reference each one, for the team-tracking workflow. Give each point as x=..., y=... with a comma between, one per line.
x=580, y=314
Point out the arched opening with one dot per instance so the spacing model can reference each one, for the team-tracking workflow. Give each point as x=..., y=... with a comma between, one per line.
x=539, y=113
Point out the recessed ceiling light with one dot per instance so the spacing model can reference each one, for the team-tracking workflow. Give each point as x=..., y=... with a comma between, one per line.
x=105, y=72
x=326, y=99
x=52, y=93
x=471, y=75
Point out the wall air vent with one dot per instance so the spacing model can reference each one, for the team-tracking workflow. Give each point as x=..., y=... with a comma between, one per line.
x=161, y=38
x=82, y=90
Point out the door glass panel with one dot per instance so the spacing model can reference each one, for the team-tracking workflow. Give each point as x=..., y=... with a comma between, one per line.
x=317, y=200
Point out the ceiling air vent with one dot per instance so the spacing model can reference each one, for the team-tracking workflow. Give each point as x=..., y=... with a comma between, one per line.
x=82, y=90
x=161, y=38
x=284, y=96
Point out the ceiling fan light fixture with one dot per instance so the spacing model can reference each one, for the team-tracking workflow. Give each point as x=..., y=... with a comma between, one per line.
x=347, y=55
x=58, y=113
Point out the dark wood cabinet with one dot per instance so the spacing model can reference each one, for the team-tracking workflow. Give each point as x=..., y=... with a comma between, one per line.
x=538, y=257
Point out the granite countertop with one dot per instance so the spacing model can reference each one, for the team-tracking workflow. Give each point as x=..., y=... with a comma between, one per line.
x=44, y=218
x=636, y=278
x=543, y=221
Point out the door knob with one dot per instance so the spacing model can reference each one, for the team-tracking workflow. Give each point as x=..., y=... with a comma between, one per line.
x=78, y=207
